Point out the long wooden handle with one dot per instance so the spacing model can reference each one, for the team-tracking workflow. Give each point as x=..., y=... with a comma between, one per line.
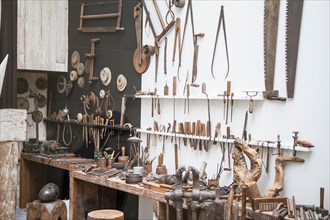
x=160, y=159
x=321, y=197
x=174, y=86
x=176, y=156
x=123, y=151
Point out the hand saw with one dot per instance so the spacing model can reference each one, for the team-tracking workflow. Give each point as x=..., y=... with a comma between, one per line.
x=293, y=23
x=271, y=15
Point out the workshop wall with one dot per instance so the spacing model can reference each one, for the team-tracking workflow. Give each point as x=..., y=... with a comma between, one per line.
x=307, y=112
x=113, y=50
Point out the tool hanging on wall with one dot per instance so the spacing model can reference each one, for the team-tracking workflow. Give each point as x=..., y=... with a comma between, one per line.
x=208, y=124
x=165, y=54
x=174, y=126
x=221, y=20
x=91, y=57
x=293, y=23
x=228, y=94
x=141, y=60
x=251, y=94
x=186, y=91
x=122, y=111
x=271, y=15
x=100, y=16
x=231, y=106
x=63, y=85
x=158, y=37
x=177, y=40
x=244, y=133
x=195, y=37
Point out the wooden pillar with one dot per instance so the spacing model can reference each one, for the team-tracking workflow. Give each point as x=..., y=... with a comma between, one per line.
x=8, y=179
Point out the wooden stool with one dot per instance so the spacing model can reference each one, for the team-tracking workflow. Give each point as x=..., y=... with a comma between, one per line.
x=49, y=210
x=105, y=214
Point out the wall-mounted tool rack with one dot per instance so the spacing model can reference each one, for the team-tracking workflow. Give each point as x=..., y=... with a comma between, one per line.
x=224, y=140
x=117, y=15
x=88, y=125
x=198, y=97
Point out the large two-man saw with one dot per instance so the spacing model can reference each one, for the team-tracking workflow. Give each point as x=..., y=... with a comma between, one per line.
x=293, y=21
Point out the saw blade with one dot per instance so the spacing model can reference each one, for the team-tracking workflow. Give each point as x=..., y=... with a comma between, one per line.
x=271, y=14
x=293, y=23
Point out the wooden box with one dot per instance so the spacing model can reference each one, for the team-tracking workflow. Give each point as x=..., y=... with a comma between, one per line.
x=13, y=126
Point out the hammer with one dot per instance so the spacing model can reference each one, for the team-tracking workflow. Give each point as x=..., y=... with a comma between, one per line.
x=321, y=210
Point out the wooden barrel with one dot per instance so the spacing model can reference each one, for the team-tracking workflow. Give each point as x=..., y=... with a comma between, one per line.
x=8, y=179
x=105, y=214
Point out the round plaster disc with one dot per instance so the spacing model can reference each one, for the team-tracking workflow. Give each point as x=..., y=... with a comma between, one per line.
x=23, y=103
x=61, y=84
x=42, y=101
x=22, y=85
x=81, y=82
x=105, y=76
x=121, y=82
x=145, y=61
x=37, y=116
x=80, y=69
x=102, y=93
x=75, y=59
x=73, y=75
x=41, y=83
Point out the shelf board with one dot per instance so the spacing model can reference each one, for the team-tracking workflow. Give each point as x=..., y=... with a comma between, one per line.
x=116, y=127
x=200, y=97
x=222, y=140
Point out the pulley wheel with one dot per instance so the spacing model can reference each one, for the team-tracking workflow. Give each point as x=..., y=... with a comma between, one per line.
x=80, y=69
x=81, y=82
x=22, y=85
x=37, y=116
x=23, y=103
x=41, y=83
x=42, y=101
x=61, y=84
x=145, y=62
x=75, y=59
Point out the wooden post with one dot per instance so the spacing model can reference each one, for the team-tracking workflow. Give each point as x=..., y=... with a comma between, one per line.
x=12, y=129
x=8, y=178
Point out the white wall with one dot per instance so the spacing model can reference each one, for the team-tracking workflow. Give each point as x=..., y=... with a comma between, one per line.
x=307, y=112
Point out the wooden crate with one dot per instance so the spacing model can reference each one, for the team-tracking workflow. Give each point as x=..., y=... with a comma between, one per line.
x=13, y=126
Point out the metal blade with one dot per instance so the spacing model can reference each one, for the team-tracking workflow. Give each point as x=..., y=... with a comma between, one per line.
x=293, y=22
x=271, y=14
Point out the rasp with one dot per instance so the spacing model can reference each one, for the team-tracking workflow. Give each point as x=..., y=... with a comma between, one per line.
x=293, y=22
x=271, y=14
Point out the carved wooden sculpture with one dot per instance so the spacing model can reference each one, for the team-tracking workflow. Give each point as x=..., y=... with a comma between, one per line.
x=243, y=175
x=279, y=176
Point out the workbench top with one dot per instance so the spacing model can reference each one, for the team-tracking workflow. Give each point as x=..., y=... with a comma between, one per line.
x=76, y=164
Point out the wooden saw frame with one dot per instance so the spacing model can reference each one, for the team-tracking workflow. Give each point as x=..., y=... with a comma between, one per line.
x=100, y=16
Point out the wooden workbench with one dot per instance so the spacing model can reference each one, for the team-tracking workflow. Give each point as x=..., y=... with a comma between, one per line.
x=87, y=192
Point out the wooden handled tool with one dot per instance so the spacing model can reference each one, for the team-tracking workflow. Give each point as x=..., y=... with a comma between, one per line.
x=216, y=132
x=305, y=144
x=228, y=94
x=193, y=132
x=123, y=151
x=320, y=209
